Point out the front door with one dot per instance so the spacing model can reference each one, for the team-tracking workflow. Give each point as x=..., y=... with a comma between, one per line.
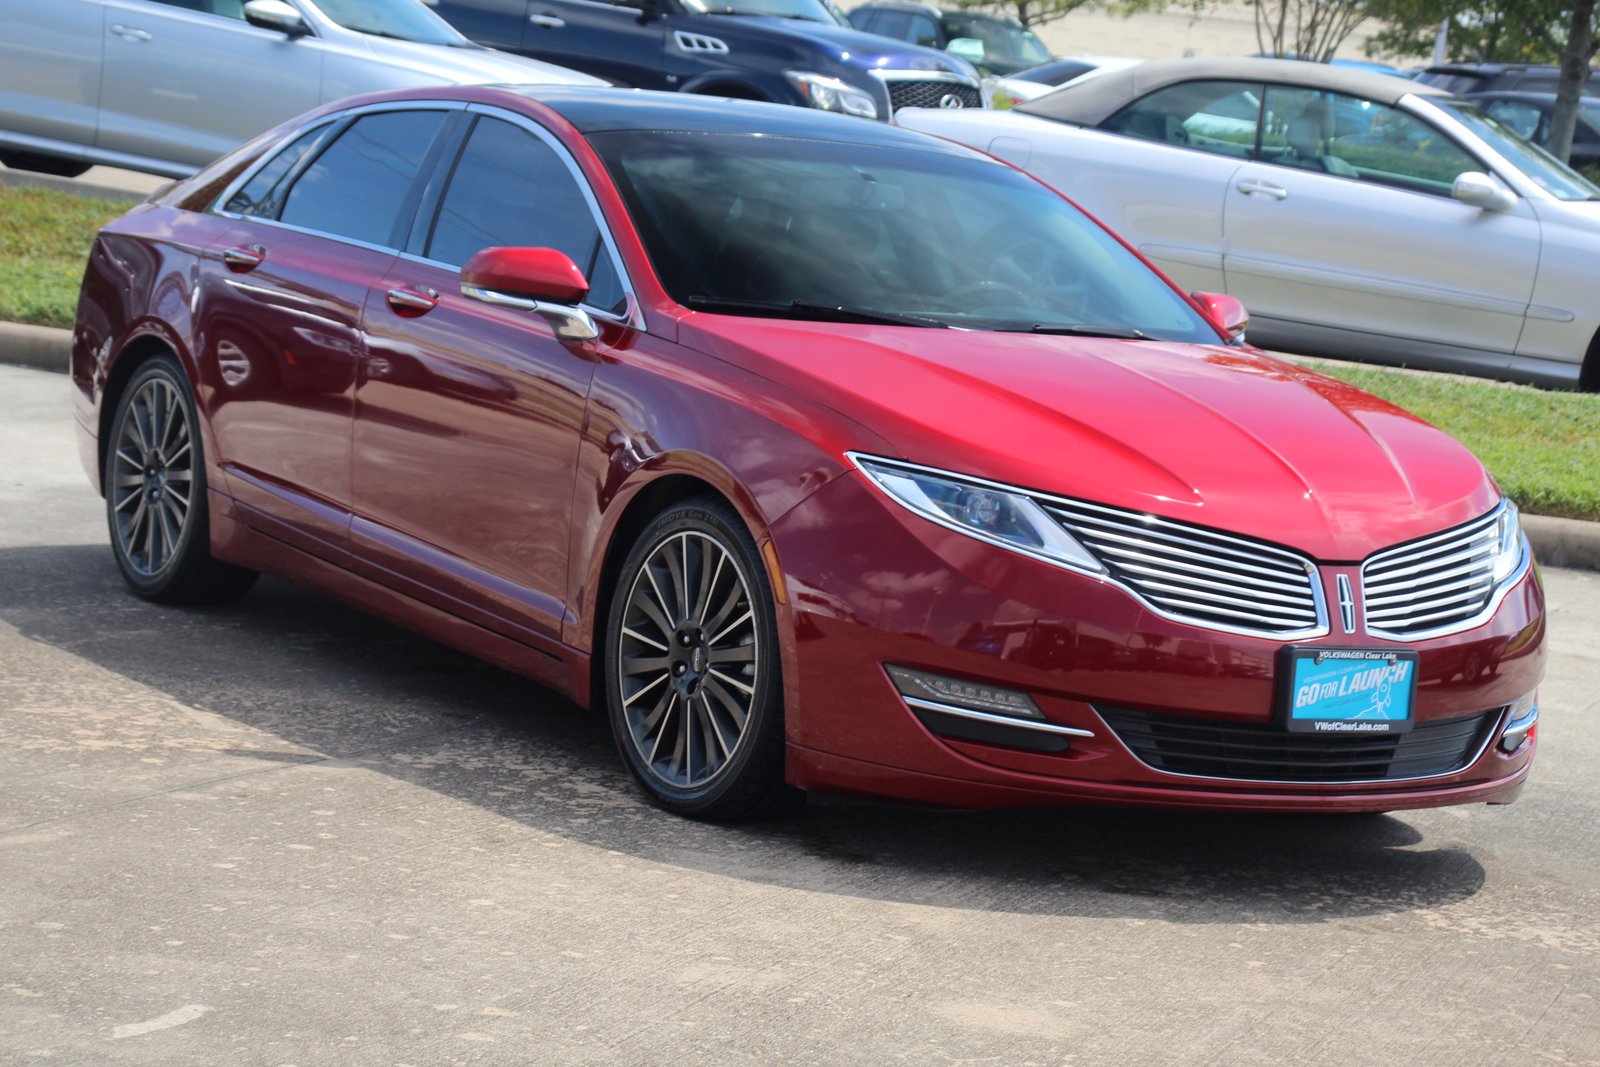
x=1347, y=221
x=468, y=416
x=617, y=39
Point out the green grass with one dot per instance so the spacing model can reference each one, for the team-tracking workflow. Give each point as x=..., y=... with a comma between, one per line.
x=1542, y=447
x=44, y=240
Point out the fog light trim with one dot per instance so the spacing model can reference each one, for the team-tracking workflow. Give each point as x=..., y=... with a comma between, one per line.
x=1516, y=731
x=997, y=720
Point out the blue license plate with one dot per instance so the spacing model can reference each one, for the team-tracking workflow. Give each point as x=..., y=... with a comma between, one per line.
x=1347, y=691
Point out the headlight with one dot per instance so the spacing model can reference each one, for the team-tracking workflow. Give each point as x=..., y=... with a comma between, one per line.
x=831, y=94
x=1510, y=547
x=985, y=510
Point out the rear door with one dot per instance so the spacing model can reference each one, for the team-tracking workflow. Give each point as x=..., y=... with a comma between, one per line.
x=51, y=56
x=185, y=82
x=468, y=415
x=1365, y=236
x=279, y=314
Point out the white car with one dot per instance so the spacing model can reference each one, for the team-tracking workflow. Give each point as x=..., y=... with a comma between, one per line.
x=166, y=86
x=1357, y=215
x=1034, y=82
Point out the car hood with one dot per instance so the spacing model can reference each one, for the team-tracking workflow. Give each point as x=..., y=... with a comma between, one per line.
x=1230, y=438
x=869, y=50
x=467, y=66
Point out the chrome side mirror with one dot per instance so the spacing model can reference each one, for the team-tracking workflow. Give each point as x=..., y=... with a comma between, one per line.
x=541, y=280
x=1480, y=190
x=275, y=15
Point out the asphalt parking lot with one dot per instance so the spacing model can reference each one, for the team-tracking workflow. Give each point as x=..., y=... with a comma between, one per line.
x=284, y=833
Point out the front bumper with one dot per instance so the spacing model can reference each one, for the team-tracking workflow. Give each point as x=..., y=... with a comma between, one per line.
x=867, y=583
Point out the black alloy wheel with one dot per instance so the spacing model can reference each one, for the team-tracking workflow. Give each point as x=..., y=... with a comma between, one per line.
x=691, y=668
x=155, y=491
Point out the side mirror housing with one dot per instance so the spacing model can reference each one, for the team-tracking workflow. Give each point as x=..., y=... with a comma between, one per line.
x=1480, y=190
x=1225, y=313
x=275, y=15
x=542, y=280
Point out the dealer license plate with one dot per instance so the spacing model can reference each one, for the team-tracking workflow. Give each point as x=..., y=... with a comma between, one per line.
x=1347, y=691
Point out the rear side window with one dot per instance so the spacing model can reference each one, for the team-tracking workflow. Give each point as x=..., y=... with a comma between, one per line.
x=262, y=195
x=509, y=188
x=1218, y=116
x=357, y=187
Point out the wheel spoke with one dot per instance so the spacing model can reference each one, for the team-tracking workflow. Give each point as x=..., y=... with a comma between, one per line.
x=734, y=654
x=730, y=604
x=747, y=690
x=708, y=586
x=736, y=711
x=628, y=702
x=710, y=727
x=677, y=574
x=663, y=718
x=662, y=615
x=734, y=625
x=637, y=665
x=642, y=639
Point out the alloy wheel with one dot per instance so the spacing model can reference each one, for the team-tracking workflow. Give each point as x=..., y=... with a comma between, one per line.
x=152, y=477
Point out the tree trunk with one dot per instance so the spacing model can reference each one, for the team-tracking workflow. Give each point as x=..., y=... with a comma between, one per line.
x=1574, y=77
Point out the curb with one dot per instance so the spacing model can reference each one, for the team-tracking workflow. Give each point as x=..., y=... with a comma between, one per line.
x=1556, y=542
x=23, y=179
x=40, y=347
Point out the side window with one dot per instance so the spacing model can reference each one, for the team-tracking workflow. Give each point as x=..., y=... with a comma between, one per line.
x=1356, y=138
x=866, y=21
x=357, y=186
x=924, y=31
x=1217, y=116
x=232, y=9
x=1523, y=118
x=262, y=195
x=510, y=188
x=891, y=23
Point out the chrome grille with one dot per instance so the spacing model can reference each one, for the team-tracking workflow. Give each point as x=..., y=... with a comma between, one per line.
x=1199, y=575
x=1433, y=583
x=917, y=93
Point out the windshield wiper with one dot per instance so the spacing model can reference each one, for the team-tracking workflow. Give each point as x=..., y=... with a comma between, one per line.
x=1085, y=329
x=812, y=309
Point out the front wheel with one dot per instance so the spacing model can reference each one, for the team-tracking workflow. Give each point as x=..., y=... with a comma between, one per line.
x=691, y=668
x=155, y=484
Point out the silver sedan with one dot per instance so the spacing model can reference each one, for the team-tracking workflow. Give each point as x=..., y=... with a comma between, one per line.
x=166, y=86
x=1357, y=215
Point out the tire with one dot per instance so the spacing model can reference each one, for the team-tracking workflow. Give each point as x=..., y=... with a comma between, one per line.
x=155, y=485
x=60, y=166
x=691, y=668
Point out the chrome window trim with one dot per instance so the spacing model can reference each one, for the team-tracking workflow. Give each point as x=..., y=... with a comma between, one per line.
x=632, y=316
x=1490, y=736
x=989, y=717
x=1322, y=627
x=1501, y=591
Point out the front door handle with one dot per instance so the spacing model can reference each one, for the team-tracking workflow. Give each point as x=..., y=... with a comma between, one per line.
x=244, y=260
x=548, y=21
x=409, y=303
x=132, y=33
x=1257, y=187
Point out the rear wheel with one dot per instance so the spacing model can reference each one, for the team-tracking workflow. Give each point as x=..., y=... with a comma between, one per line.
x=691, y=668
x=60, y=166
x=155, y=483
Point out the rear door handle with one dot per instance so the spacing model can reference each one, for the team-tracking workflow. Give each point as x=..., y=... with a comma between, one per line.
x=132, y=33
x=243, y=260
x=409, y=303
x=1257, y=187
x=548, y=21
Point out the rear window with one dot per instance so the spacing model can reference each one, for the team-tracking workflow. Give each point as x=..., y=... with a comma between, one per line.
x=356, y=188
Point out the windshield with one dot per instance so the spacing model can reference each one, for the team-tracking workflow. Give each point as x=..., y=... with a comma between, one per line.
x=749, y=224
x=1007, y=47
x=805, y=10
x=404, y=20
x=1545, y=170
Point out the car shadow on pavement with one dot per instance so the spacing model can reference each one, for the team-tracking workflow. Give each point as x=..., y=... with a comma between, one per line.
x=315, y=683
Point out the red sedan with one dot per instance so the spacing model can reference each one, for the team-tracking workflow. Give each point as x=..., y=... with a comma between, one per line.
x=820, y=453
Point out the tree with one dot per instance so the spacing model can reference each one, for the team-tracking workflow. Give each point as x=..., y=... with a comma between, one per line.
x=1306, y=29
x=1502, y=31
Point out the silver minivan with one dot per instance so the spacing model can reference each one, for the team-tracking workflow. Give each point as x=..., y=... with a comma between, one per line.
x=165, y=86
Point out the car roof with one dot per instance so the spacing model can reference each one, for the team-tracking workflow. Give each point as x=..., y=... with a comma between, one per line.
x=595, y=110
x=899, y=5
x=1529, y=96
x=1097, y=99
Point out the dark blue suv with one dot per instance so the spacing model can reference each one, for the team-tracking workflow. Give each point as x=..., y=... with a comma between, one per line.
x=788, y=51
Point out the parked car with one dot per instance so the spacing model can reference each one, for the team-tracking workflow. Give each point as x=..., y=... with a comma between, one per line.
x=786, y=51
x=1358, y=216
x=1034, y=82
x=165, y=86
x=995, y=44
x=765, y=431
x=1463, y=78
x=1529, y=115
